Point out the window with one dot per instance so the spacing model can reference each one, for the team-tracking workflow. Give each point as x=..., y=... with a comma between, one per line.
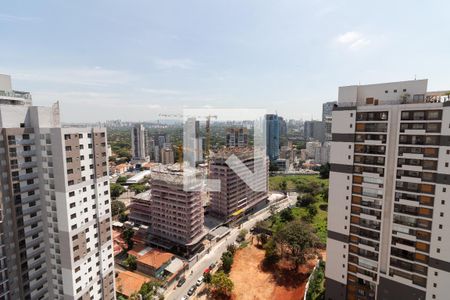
x=81, y=147
x=82, y=157
x=68, y=148
x=72, y=205
x=71, y=194
x=70, y=171
x=404, y=90
x=80, y=136
x=67, y=136
x=386, y=91
x=69, y=160
x=73, y=216
x=395, y=91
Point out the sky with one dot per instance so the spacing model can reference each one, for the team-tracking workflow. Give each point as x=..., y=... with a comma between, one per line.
x=134, y=59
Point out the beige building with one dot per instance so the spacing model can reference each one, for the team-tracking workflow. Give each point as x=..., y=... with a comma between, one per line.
x=388, y=225
x=237, y=137
x=235, y=198
x=55, y=225
x=177, y=215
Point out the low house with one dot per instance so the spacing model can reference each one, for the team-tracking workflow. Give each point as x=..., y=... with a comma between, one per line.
x=128, y=283
x=154, y=262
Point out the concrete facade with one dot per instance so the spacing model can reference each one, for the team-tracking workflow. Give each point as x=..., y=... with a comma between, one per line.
x=389, y=191
x=56, y=239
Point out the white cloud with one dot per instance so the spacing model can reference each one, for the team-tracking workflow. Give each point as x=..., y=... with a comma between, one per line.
x=95, y=76
x=12, y=18
x=174, y=63
x=353, y=40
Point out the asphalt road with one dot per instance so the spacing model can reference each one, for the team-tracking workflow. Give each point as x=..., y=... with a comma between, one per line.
x=217, y=249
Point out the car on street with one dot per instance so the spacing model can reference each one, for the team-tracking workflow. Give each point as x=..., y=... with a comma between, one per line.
x=184, y=297
x=211, y=266
x=181, y=281
x=192, y=290
x=200, y=280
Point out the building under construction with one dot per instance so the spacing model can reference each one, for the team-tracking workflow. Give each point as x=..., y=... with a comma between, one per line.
x=177, y=215
x=236, y=199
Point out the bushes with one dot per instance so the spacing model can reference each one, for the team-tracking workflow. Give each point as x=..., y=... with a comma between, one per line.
x=227, y=261
x=306, y=200
x=316, y=289
x=130, y=262
x=286, y=215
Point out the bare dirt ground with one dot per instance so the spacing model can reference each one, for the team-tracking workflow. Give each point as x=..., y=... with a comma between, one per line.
x=253, y=281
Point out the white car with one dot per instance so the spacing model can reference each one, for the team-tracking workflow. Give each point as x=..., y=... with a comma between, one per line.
x=184, y=298
x=200, y=281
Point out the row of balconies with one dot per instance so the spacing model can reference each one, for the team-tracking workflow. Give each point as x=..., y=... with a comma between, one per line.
x=368, y=169
x=370, y=149
x=427, y=140
x=420, y=188
x=421, y=199
x=412, y=222
x=365, y=233
x=358, y=240
x=369, y=160
x=425, y=151
x=421, y=281
x=413, y=211
x=375, y=225
x=371, y=127
x=363, y=138
x=356, y=210
x=427, y=127
x=366, y=203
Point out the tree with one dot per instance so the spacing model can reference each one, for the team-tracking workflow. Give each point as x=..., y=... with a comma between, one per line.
x=123, y=217
x=149, y=289
x=283, y=186
x=227, y=261
x=298, y=239
x=207, y=277
x=117, y=207
x=306, y=200
x=324, y=171
x=116, y=190
x=242, y=234
x=130, y=262
x=286, y=215
x=271, y=255
x=325, y=194
x=231, y=248
x=221, y=283
x=273, y=167
x=122, y=180
x=138, y=188
x=127, y=237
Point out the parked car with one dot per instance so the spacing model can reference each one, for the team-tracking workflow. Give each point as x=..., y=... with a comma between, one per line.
x=181, y=281
x=200, y=280
x=184, y=297
x=192, y=290
x=211, y=266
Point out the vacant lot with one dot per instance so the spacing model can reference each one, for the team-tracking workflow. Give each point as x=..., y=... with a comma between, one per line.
x=254, y=282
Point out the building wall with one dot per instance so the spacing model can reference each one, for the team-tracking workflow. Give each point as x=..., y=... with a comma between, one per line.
x=388, y=183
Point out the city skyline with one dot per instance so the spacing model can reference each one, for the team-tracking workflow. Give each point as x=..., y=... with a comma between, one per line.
x=286, y=57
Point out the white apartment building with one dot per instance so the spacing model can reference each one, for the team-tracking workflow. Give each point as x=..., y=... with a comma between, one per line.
x=139, y=147
x=56, y=233
x=389, y=205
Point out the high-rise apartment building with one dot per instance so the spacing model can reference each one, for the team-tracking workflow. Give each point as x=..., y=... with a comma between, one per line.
x=388, y=225
x=327, y=109
x=177, y=215
x=235, y=197
x=237, y=137
x=55, y=205
x=314, y=130
x=273, y=136
x=167, y=154
x=139, y=146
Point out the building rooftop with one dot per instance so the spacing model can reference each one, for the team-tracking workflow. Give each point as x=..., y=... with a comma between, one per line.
x=139, y=177
x=128, y=282
x=143, y=196
x=155, y=258
x=175, y=265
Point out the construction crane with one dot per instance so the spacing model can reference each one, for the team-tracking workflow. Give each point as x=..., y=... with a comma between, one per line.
x=207, y=135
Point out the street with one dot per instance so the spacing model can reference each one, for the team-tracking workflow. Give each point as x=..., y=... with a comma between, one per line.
x=216, y=250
